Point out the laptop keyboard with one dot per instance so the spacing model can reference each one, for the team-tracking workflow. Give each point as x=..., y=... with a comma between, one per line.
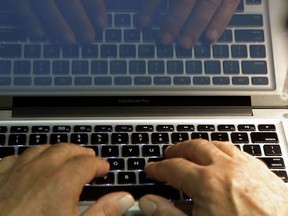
x=129, y=147
x=125, y=58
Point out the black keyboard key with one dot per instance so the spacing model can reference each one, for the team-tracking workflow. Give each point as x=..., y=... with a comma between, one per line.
x=32, y=51
x=132, y=35
x=124, y=128
x=40, y=129
x=17, y=139
x=266, y=127
x=254, y=2
x=103, y=128
x=156, y=67
x=175, y=67
x=122, y=20
x=146, y=51
x=254, y=150
x=254, y=67
x=226, y=36
x=140, y=138
x=110, y=151
x=70, y=51
x=82, y=128
x=221, y=51
x=248, y=127
x=120, y=138
x=239, y=138
x=151, y=150
x=226, y=127
x=130, y=151
x=183, y=53
x=249, y=35
x=99, y=138
x=93, y=193
x=5, y=67
x=200, y=136
x=185, y=128
x=202, y=51
x=257, y=51
x=160, y=138
x=41, y=67
x=136, y=163
x=231, y=67
x=3, y=129
x=79, y=138
x=61, y=68
x=58, y=138
x=239, y=51
x=264, y=137
x=206, y=128
x=220, y=136
x=2, y=139
x=6, y=151
x=179, y=137
x=127, y=51
x=243, y=20
x=99, y=67
x=113, y=35
x=165, y=51
x=126, y=178
x=89, y=51
x=22, y=67
x=51, y=51
x=116, y=163
x=272, y=150
x=164, y=128
x=109, y=51
x=274, y=163
x=108, y=179
x=212, y=67
x=80, y=67
x=144, y=128
x=19, y=129
x=38, y=139
x=62, y=129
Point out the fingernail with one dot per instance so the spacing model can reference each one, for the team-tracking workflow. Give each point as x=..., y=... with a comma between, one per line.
x=186, y=42
x=124, y=203
x=212, y=36
x=166, y=38
x=147, y=206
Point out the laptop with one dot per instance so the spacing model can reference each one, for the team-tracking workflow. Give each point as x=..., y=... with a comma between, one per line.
x=128, y=97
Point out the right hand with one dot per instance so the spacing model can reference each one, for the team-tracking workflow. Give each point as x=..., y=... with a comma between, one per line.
x=65, y=20
x=220, y=179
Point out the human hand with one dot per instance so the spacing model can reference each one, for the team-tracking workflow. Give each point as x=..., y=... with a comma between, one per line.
x=47, y=181
x=220, y=179
x=65, y=20
x=189, y=19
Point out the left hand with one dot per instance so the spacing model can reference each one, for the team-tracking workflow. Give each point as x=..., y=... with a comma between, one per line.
x=190, y=18
x=47, y=181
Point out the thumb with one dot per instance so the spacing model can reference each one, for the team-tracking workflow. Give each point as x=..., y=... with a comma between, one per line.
x=112, y=204
x=152, y=205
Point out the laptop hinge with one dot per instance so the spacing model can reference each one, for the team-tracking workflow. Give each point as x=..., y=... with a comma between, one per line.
x=131, y=106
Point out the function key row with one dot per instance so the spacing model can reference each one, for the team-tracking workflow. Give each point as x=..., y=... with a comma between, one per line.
x=138, y=128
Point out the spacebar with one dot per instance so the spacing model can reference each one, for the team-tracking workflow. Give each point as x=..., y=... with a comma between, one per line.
x=91, y=193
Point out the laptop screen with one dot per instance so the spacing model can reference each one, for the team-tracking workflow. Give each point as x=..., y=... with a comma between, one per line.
x=127, y=53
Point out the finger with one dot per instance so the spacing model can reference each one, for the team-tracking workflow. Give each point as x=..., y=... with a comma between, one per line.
x=178, y=13
x=155, y=205
x=147, y=12
x=53, y=20
x=60, y=153
x=7, y=162
x=97, y=13
x=75, y=14
x=31, y=154
x=229, y=148
x=221, y=19
x=201, y=152
x=111, y=204
x=26, y=13
x=198, y=22
x=80, y=170
x=180, y=173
